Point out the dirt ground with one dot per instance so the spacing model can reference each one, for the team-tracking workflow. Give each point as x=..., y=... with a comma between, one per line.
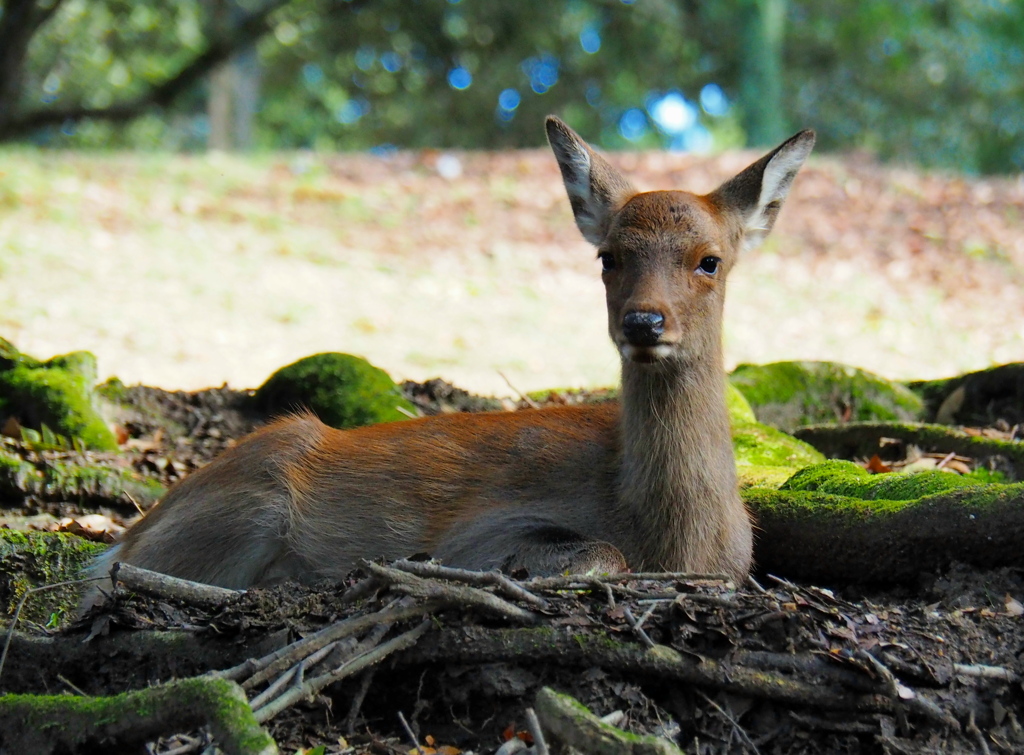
x=192, y=271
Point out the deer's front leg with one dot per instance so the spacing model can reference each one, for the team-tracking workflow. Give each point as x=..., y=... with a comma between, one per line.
x=515, y=540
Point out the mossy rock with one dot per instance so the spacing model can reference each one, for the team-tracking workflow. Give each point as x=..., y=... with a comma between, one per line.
x=740, y=410
x=57, y=393
x=50, y=479
x=837, y=523
x=341, y=389
x=34, y=559
x=766, y=457
x=10, y=356
x=977, y=398
x=853, y=481
x=788, y=395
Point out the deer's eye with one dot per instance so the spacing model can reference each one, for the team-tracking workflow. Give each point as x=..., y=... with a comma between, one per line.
x=709, y=265
x=607, y=261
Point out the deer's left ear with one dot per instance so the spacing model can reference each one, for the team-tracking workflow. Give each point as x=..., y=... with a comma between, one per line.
x=757, y=193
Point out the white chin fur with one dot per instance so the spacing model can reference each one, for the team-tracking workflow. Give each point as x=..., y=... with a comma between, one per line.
x=645, y=353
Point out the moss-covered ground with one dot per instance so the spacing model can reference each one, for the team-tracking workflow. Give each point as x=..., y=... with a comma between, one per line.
x=56, y=395
x=788, y=395
x=32, y=559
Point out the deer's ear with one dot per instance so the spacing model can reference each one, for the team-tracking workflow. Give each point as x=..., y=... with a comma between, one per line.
x=757, y=193
x=596, y=190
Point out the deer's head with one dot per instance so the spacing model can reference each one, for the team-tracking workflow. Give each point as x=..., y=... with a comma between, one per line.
x=665, y=255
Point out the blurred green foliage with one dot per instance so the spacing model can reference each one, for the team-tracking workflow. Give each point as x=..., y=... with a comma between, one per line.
x=932, y=81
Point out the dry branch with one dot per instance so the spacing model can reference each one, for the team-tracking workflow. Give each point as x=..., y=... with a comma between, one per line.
x=503, y=584
x=461, y=596
x=474, y=645
x=162, y=586
x=349, y=668
x=254, y=672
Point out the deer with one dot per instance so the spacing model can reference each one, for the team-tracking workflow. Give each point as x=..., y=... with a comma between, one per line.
x=647, y=482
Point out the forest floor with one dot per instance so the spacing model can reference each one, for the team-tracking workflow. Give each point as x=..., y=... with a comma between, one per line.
x=933, y=666
x=192, y=271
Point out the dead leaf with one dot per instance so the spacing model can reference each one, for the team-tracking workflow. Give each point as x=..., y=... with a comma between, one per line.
x=96, y=527
x=121, y=434
x=11, y=428
x=946, y=415
x=1014, y=607
x=876, y=466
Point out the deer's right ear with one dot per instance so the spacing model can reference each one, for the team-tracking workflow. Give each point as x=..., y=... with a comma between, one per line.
x=595, y=188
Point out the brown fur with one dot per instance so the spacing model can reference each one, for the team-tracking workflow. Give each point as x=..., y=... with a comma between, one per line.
x=648, y=482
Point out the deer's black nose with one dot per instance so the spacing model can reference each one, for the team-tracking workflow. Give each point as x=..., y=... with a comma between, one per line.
x=643, y=328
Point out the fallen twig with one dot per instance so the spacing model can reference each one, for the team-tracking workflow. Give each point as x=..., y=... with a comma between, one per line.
x=175, y=588
x=256, y=671
x=292, y=675
x=451, y=595
x=732, y=722
x=635, y=625
x=504, y=584
x=357, y=700
x=540, y=746
x=985, y=672
x=469, y=644
x=581, y=580
x=979, y=736
x=824, y=724
x=409, y=732
x=904, y=697
x=353, y=666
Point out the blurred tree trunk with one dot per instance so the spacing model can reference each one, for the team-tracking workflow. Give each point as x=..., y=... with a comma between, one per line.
x=762, y=29
x=19, y=21
x=219, y=108
x=246, y=66
x=233, y=88
x=218, y=103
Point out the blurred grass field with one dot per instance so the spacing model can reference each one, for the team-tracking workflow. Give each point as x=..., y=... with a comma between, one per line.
x=191, y=271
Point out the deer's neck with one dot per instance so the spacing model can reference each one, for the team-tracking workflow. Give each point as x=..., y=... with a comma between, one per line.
x=677, y=485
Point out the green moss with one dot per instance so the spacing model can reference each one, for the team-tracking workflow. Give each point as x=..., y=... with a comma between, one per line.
x=768, y=457
x=760, y=445
x=342, y=390
x=113, y=390
x=11, y=357
x=792, y=394
x=33, y=559
x=845, y=478
x=567, y=718
x=740, y=411
x=81, y=364
x=54, y=480
x=57, y=393
x=64, y=723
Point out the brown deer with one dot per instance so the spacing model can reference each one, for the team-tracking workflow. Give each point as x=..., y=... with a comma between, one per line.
x=648, y=482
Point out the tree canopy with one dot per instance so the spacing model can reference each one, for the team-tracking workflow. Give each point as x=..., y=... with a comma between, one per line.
x=931, y=81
